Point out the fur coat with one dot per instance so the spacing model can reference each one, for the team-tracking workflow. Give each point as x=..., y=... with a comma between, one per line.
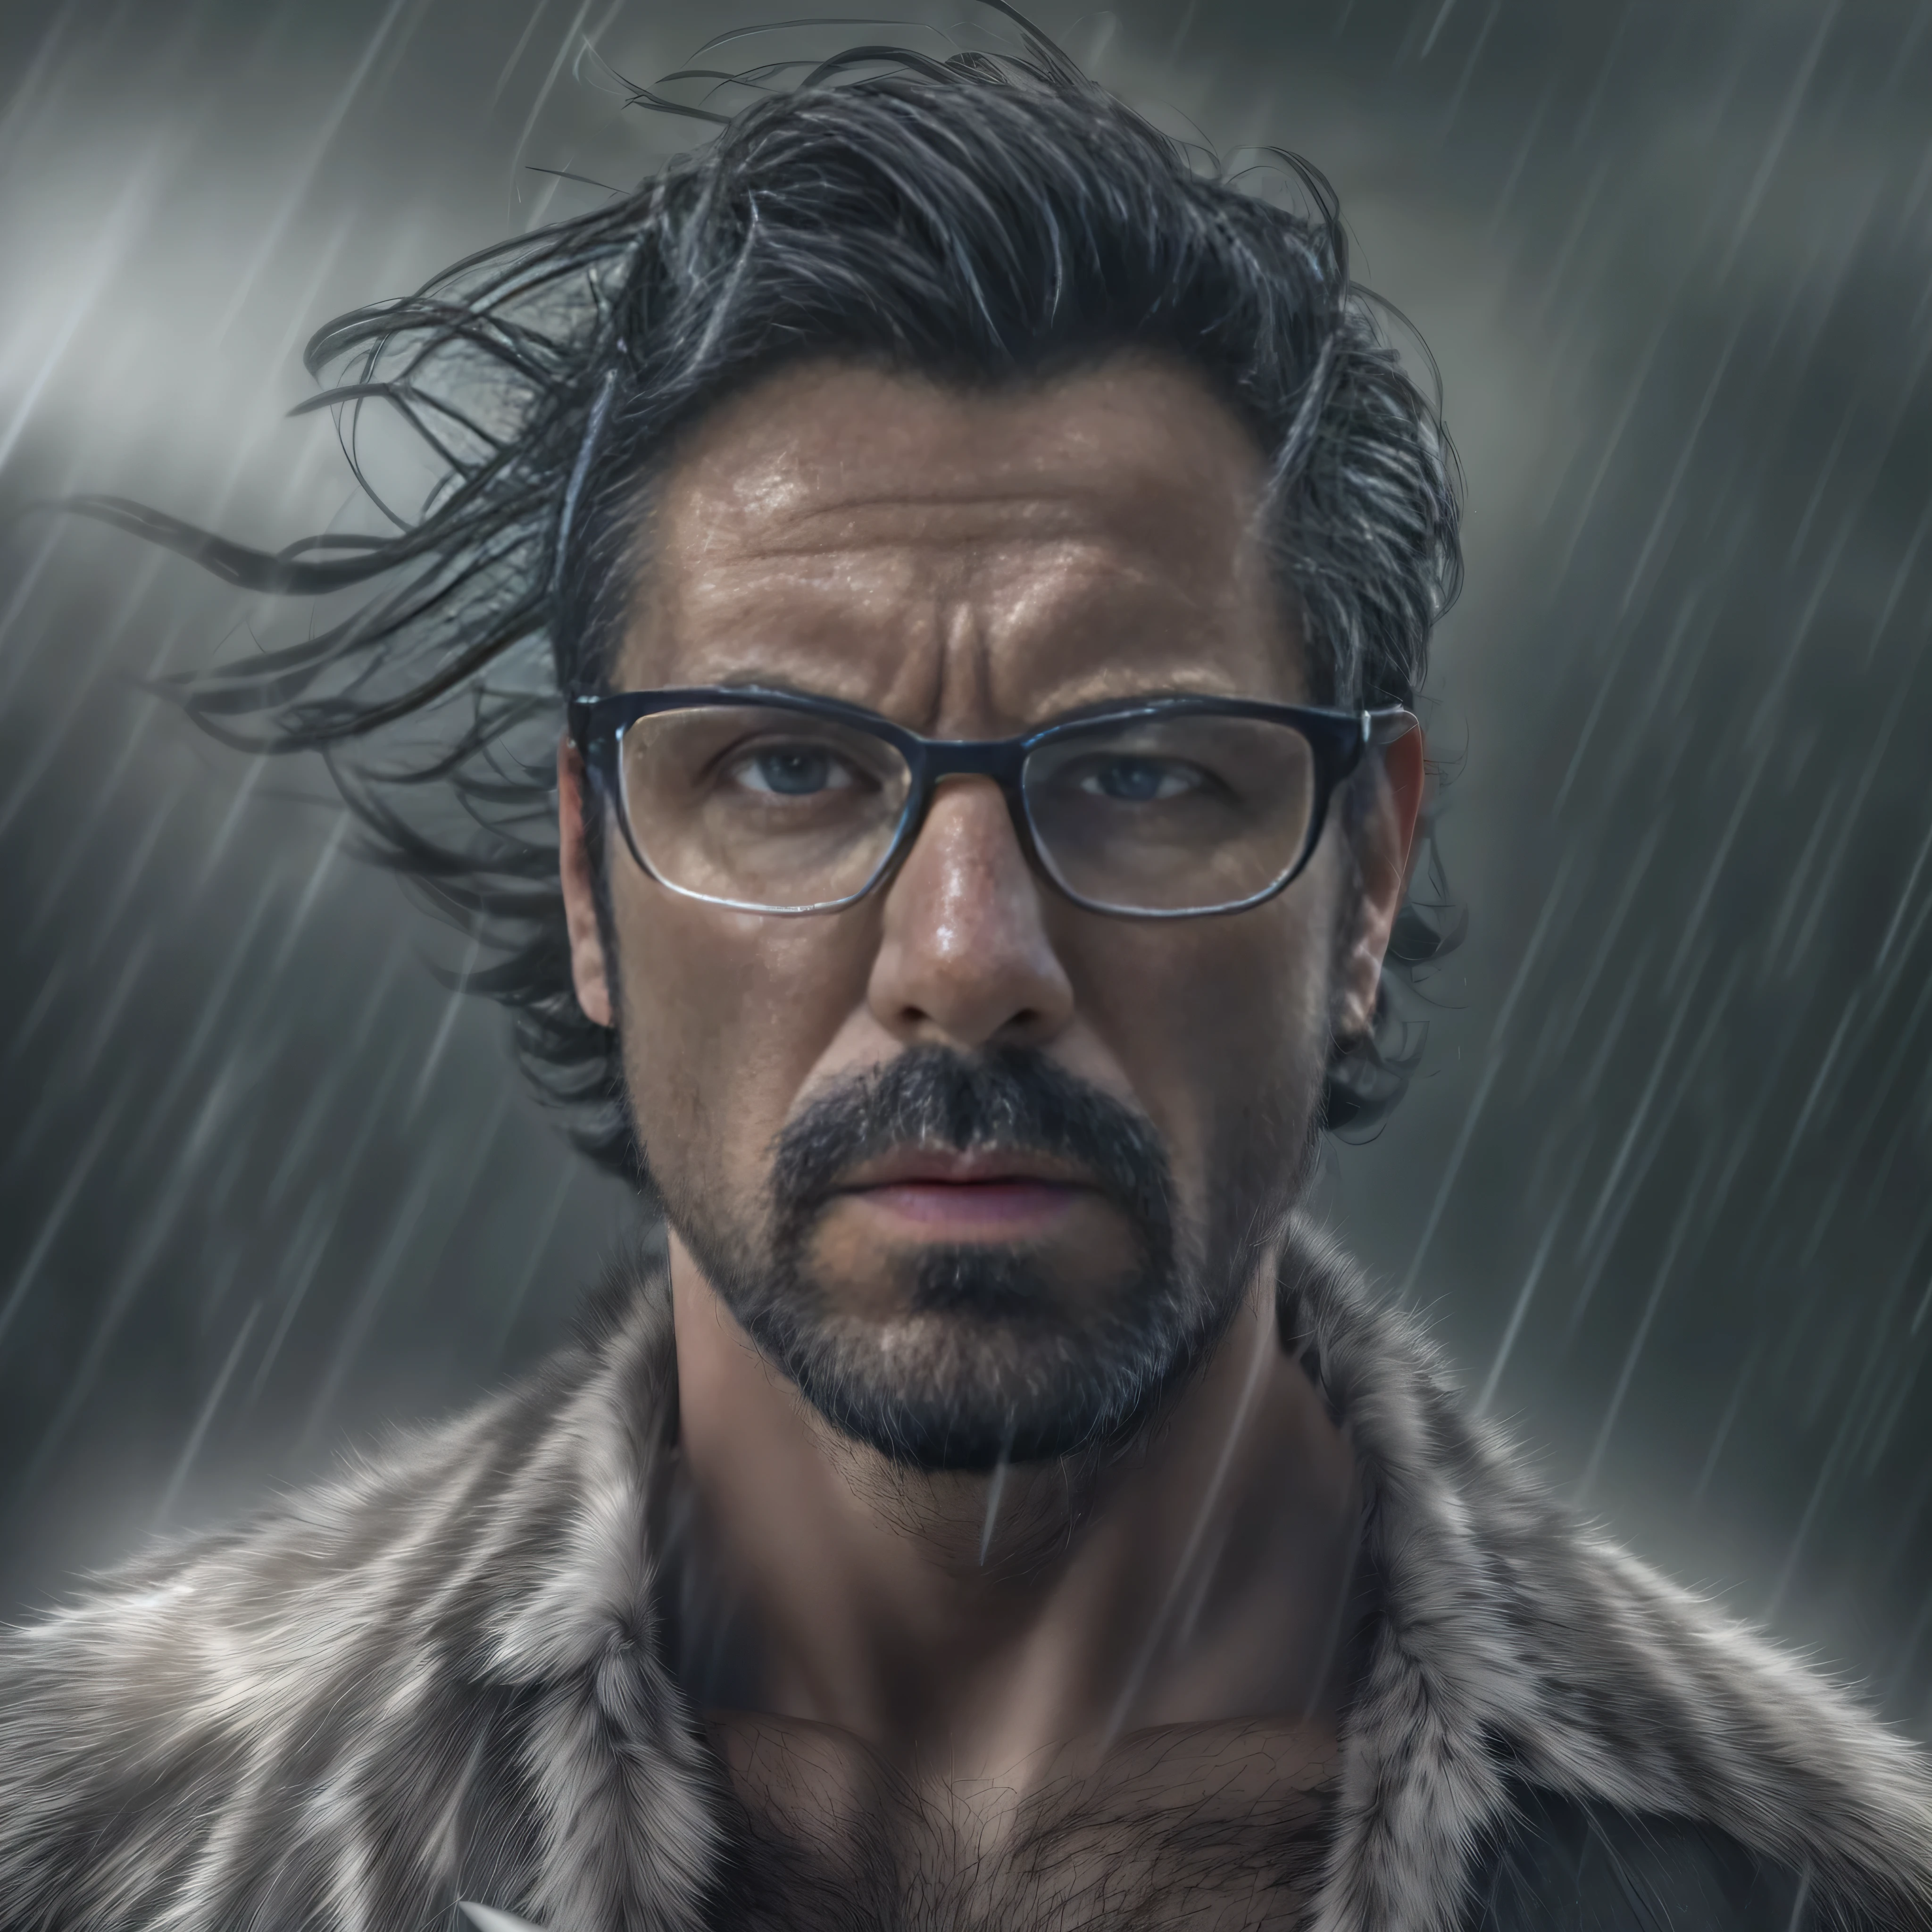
x=434, y=1677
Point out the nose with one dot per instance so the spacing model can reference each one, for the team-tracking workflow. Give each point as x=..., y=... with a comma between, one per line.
x=964, y=958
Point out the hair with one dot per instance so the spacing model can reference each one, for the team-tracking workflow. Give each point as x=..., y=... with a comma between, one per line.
x=984, y=219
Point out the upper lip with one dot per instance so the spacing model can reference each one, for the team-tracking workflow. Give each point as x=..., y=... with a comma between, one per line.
x=961, y=1168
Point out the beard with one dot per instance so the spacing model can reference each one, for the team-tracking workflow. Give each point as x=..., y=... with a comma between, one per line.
x=990, y=1359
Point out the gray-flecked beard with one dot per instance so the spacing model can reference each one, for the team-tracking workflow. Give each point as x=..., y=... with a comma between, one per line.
x=1004, y=1368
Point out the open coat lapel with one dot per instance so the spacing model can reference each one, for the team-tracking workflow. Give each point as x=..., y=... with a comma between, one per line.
x=1515, y=1643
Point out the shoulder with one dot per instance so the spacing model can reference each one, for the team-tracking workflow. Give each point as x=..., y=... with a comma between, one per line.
x=248, y=1723
x=1560, y=1865
x=1524, y=1647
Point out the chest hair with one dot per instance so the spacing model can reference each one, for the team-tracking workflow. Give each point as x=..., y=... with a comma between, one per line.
x=1217, y=1860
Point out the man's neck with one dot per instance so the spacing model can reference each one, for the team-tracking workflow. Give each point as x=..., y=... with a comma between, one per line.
x=1013, y=1627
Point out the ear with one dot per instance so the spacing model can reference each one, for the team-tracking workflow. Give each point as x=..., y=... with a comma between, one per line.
x=588, y=967
x=1384, y=843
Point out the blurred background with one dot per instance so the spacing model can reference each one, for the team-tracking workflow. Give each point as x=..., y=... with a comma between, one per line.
x=1663, y=1187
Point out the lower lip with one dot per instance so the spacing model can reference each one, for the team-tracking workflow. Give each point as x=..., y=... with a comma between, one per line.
x=987, y=1206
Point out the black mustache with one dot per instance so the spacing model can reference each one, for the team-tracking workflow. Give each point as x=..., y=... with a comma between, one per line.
x=1015, y=1099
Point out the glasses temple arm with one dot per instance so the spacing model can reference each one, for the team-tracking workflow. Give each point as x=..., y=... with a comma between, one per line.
x=1386, y=726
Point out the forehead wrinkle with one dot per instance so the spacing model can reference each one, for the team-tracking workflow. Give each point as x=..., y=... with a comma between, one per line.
x=1059, y=574
x=1054, y=506
x=1139, y=541
x=1018, y=628
x=922, y=642
x=931, y=527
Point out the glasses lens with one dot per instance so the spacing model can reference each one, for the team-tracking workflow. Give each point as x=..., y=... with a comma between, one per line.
x=1172, y=814
x=767, y=808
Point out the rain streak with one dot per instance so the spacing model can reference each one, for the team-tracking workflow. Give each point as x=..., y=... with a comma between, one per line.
x=1664, y=1182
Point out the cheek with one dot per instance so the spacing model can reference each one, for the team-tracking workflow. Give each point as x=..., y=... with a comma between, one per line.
x=725, y=1015
x=1220, y=1025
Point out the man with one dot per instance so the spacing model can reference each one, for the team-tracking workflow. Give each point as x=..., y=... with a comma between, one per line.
x=987, y=566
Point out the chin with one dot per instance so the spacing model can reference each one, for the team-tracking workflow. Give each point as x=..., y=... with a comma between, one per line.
x=987, y=1364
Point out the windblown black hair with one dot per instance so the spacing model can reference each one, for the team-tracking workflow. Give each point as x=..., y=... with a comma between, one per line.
x=982, y=219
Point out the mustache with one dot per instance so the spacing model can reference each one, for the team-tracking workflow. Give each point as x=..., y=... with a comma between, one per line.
x=1013, y=1098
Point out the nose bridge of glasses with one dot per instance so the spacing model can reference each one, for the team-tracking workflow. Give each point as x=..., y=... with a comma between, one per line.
x=999, y=761
x=996, y=762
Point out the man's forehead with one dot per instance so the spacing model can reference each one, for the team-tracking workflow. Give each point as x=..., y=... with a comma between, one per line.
x=815, y=438
x=834, y=498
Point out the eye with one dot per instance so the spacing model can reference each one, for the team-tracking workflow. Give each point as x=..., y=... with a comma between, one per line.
x=1132, y=780
x=792, y=771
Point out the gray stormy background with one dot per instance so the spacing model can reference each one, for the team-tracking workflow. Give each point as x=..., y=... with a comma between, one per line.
x=265, y=1187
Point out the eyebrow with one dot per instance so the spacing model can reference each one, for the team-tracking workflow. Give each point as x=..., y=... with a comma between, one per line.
x=1097, y=707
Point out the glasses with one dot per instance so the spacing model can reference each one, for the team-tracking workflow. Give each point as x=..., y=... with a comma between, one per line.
x=1167, y=808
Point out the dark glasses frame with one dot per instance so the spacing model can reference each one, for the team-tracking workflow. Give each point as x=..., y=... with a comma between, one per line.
x=1338, y=739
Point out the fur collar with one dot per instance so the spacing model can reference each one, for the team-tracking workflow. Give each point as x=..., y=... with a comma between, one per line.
x=1515, y=1642
x=437, y=1677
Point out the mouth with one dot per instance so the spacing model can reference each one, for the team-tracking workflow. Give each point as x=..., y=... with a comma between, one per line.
x=982, y=1192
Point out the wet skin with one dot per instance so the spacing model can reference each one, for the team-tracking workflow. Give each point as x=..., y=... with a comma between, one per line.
x=972, y=564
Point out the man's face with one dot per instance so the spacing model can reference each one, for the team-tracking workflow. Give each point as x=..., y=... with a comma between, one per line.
x=982, y=1170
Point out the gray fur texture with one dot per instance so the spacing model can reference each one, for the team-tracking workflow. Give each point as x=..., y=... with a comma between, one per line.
x=436, y=1677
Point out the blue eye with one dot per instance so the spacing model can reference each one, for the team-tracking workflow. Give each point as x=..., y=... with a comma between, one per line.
x=793, y=771
x=1131, y=781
